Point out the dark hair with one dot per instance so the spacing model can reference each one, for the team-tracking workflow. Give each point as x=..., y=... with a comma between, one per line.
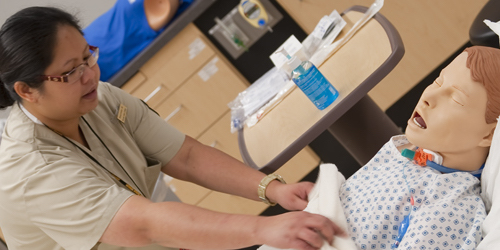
x=27, y=43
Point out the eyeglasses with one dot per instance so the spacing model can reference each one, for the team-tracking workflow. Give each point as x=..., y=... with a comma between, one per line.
x=76, y=73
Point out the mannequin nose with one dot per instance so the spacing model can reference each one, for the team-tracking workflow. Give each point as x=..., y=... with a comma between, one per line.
x=429, y=97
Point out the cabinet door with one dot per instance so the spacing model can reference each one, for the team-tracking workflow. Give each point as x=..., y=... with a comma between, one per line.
x=135, y=82
x=203, y=99
x=220, y=137
x=188, y=192
x=188, y=43
x=168, y=69
x=175, y=70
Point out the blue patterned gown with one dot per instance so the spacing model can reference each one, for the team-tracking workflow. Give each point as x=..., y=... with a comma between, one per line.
x=447, y=211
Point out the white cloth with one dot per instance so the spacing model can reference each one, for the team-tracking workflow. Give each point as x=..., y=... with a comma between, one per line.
x=447, y=213
x=324, y=200
x=494, y=26
x=490, y=187
x=490, y=182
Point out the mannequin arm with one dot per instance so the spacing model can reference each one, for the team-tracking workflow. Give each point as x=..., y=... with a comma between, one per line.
x=160, y=12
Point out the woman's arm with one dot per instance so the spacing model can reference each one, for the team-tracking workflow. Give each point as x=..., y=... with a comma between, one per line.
x=215, y=170
x=139, y=222
x=160, y=12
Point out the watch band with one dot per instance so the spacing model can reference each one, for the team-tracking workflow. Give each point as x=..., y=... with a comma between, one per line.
x=261, y=191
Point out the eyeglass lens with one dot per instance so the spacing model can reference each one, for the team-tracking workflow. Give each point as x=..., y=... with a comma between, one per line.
x=77, y=73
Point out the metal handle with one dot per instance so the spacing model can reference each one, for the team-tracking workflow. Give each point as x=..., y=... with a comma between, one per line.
x=152, y=94
x=173, y=113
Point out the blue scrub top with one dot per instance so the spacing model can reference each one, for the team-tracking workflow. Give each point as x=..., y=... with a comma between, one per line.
x=121, y=33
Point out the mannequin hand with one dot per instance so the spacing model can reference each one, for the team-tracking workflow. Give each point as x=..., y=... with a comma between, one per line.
x=289, y=196
x=297, y=230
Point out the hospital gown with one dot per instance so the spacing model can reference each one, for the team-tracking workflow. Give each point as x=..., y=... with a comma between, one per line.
x=447, y=211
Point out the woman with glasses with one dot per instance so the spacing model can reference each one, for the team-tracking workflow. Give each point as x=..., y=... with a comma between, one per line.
x=79, y=159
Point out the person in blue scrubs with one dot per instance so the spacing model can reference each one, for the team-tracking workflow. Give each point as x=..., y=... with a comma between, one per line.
x=129, y=27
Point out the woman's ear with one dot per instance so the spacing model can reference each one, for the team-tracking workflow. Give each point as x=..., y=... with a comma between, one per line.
x=487, y=140
x=25, y=92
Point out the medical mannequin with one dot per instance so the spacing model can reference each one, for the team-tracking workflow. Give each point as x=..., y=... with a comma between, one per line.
x=127, y=28
x=454, y=119
x=79, y=159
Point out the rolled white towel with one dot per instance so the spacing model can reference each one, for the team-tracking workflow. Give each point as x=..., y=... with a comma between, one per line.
x=324, y=199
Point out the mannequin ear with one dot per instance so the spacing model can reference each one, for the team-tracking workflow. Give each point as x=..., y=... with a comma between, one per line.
x=25, y=92
x=487, y=140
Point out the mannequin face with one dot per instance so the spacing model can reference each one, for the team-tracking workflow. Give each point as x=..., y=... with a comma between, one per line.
x=450, y=115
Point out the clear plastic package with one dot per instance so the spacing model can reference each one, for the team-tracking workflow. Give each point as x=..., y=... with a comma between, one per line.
x=327, y=50
x=325, y=32
x=256, y=96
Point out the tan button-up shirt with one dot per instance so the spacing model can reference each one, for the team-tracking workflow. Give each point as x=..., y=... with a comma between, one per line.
x=53, y=196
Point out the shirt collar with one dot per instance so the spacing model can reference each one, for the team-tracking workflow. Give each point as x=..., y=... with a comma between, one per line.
x=29, y=115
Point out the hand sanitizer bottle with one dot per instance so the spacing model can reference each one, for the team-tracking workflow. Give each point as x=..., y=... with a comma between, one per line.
x=308, y=78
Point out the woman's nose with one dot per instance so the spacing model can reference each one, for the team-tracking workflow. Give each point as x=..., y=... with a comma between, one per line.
x=87, y=74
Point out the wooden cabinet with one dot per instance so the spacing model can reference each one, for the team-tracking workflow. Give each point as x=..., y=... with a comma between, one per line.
x=202, y=99
x=189, y=83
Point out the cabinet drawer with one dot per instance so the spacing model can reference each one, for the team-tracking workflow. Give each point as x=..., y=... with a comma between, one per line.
x=202, y=99
x=220, y=137
x=188, y=60
x=173, y=73
x=134, y=82
x=153, y=92
x=184, y=43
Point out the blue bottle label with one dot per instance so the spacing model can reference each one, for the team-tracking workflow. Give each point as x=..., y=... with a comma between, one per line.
x=316, y=87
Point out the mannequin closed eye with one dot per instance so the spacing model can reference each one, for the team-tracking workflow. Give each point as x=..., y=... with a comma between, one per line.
x=459, y=103
x=454, y=97
x=459, y=95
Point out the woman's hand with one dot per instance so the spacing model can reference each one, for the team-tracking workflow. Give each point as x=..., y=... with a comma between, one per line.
x=289, y=196
x=297, y=230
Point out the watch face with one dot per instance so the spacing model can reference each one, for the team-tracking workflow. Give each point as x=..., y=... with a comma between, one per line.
x=251, y=10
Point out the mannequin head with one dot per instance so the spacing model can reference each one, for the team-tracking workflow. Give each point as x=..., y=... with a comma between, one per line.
x=456, y=114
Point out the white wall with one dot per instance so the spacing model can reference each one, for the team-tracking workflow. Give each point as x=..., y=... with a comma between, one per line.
x=85, y=11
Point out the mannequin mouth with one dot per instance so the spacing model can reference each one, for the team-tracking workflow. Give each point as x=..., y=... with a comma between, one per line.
x=419, y=121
